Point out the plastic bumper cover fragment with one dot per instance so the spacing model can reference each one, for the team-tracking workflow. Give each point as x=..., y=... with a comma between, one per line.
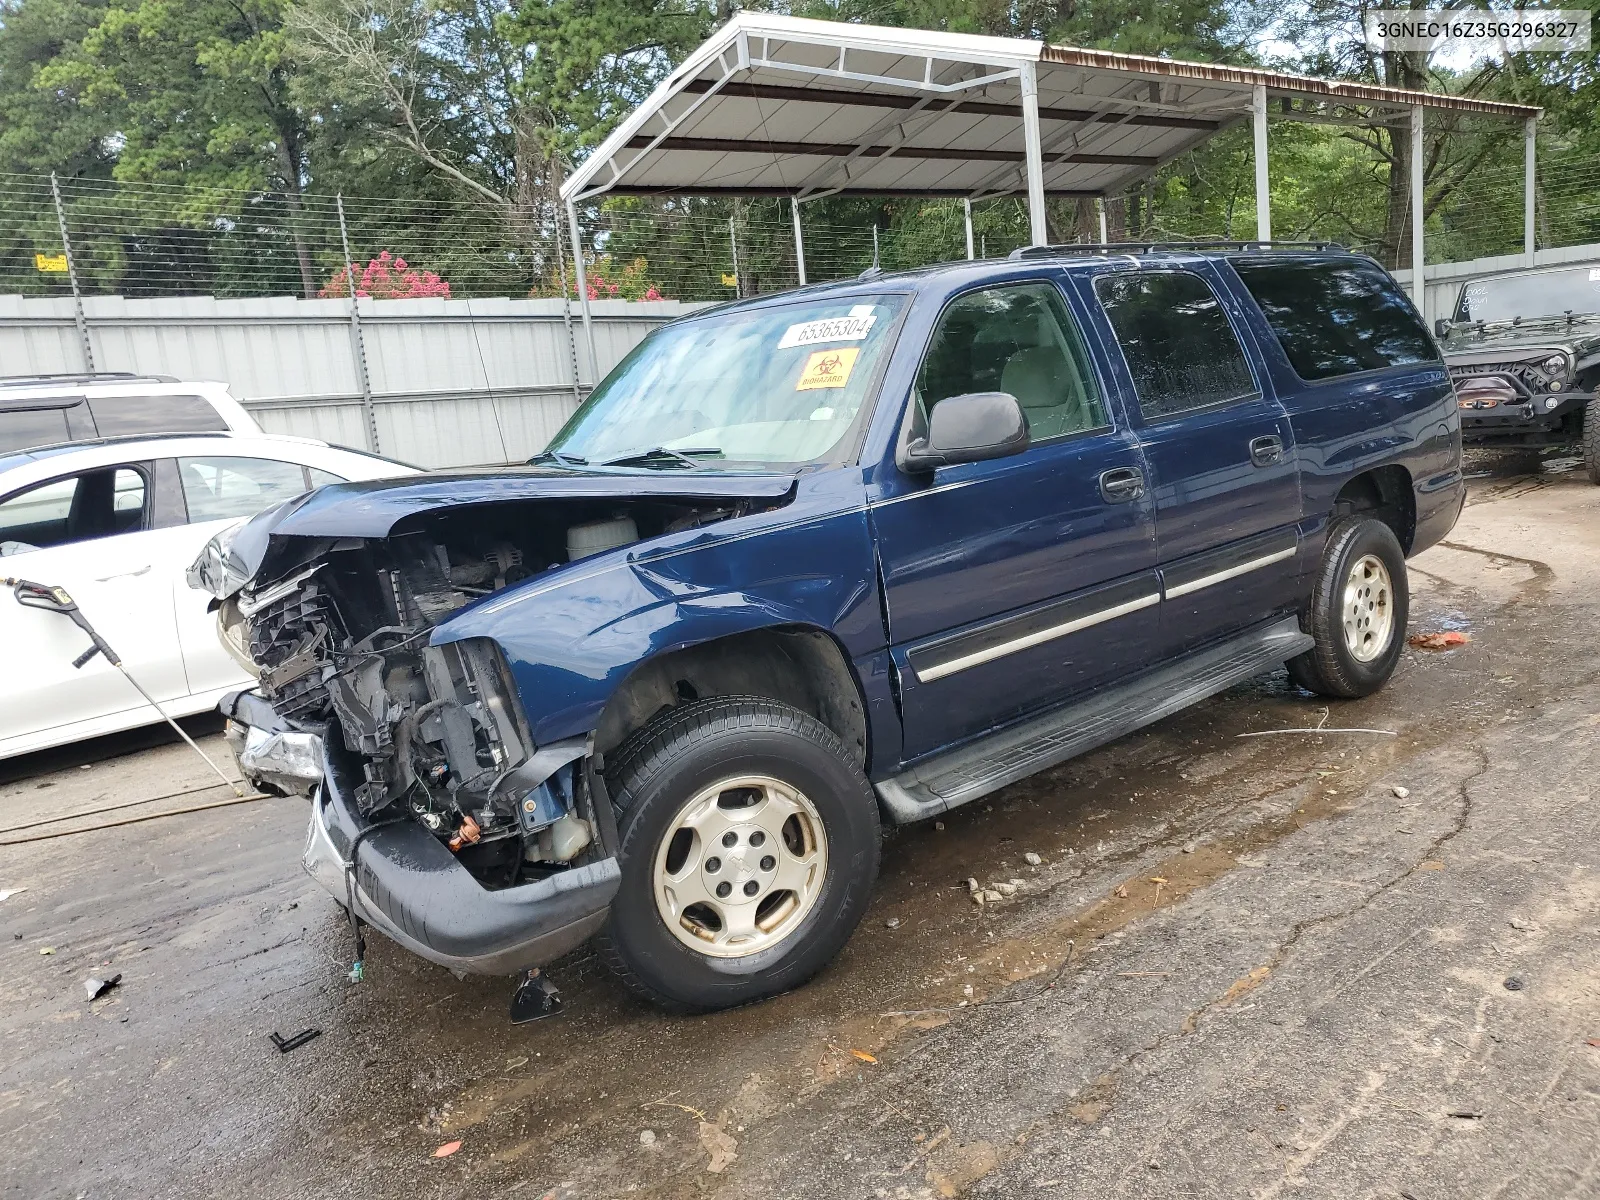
x=409, y=887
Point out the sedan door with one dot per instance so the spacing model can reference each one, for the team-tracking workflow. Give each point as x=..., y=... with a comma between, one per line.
x=1014, y=583
x=88, y=533
x=1221, y=454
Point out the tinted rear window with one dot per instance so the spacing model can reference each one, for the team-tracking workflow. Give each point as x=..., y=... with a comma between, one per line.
x=1336, y=318
x=118, y=416
x=29, y=427
x=1177, y=342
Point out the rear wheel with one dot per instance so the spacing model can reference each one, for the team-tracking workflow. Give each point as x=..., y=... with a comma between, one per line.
x=1357, y=611
x=749, y=846
x=1591, y=439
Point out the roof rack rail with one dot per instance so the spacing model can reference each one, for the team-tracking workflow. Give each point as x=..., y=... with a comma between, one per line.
x=1160, y=247
x=83, y=377
x=118, y=439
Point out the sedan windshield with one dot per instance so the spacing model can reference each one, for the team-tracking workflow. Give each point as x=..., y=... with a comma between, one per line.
x=1537, y=294
x=757, y=388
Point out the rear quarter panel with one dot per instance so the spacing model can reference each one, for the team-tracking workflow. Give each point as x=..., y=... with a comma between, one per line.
x=1402, y=416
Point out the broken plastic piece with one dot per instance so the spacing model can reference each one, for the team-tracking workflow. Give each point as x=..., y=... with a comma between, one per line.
x=446, y=1150
x=535, y=998
x=97, y=987
x=286, y=1044
x=1447, y=640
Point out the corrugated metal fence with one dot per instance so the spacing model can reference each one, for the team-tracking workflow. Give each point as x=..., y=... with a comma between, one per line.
x=453, y=382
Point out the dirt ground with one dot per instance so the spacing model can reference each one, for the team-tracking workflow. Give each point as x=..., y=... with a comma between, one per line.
x=1336, y=964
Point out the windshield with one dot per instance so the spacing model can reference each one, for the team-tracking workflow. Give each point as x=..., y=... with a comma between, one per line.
x=1542, y=294
x=755, y=388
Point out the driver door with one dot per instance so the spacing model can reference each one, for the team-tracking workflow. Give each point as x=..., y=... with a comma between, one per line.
x=1014, y=583
x=88, y=533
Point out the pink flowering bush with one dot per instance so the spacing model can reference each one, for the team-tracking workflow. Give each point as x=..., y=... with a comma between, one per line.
x=609, y=281
x=387, y=277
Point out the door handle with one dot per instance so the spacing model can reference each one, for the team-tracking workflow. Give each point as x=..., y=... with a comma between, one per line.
x=1121, y=484
x=1264, y=451
x=124, y=574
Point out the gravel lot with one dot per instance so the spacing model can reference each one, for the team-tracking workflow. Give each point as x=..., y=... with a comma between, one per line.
x=1346, y=965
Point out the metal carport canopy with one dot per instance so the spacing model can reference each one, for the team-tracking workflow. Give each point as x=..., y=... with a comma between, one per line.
x=785, y=106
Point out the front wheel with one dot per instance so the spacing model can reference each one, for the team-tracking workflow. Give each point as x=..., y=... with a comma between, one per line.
x=749, y=846
x=1357, y=611
x=1591, y=439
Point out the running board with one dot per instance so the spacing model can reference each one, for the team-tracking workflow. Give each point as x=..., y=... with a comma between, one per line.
x=1017, y=751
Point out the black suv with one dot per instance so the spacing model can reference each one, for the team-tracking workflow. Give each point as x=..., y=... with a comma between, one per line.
x=1524, y=352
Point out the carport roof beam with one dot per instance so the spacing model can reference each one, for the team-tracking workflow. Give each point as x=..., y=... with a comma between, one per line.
x=783, y=106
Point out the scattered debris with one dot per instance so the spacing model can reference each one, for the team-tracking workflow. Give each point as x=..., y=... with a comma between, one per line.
x=939, y=825
x=1400, y=792
x=863, y=1056
x=647, y=1137
x=1244, y=984
x=991, y=895
x=1594, y=1041
x=1143, y=974
x=1523, y=924
x=1188, y=847
x=893, y=922
x=286, y=1044
x=719, y=1144
x=1032, y=859
x=97, y=987
x=1447, y=639
x=1160, y=881
x=47, y=949
x=1514, y=983
x=513, y=1063
x=1006, y=890
x=446, y=1150
x=1430, y=865
x=972, y=885
x=1318, y=729
x=7, y=893
x=1465, y=1114
x=978, y=898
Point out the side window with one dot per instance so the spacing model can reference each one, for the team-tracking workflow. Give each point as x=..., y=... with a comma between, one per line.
x=318, y=478
x=80, y=508
x=117, y=416
x=1018, y=339
x=1336, y=318
x=1177, y=342
x=214, y=488
x=23, y=429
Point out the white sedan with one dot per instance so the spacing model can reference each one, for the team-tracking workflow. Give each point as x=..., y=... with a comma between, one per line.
x=116, y=523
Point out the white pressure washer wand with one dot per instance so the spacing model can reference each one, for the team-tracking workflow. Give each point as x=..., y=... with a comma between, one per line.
x=55, y=599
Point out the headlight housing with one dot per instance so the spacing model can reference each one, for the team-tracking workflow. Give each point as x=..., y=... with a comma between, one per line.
x=217, y=571
x=235, y=635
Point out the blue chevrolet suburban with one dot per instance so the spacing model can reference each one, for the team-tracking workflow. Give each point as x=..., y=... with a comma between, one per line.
x=813, y=562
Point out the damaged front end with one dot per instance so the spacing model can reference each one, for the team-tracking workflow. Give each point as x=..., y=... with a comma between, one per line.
x=437, y=818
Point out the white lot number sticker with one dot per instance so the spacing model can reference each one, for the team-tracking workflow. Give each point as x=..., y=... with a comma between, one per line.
x=852, y=328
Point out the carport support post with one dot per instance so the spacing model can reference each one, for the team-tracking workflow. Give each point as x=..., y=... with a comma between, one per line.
x=583, y=290
x=357, y=342
x=72, y=278
x=1035, y=156
x=966, y=212
x=799, y=242
x=1100, y=211
x=1258, y=116
x=1419, y=284
x=1529, y=193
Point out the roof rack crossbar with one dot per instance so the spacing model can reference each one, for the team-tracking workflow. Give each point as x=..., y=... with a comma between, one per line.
x=1165, y=247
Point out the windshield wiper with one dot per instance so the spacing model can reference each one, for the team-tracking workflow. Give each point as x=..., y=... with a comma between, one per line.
x=566, y=460
x=663, y=452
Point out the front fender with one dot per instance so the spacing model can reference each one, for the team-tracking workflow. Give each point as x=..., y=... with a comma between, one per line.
x=572, y=640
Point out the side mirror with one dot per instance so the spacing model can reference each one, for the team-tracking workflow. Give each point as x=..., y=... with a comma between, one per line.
x=972, y=427
x=1442, y=327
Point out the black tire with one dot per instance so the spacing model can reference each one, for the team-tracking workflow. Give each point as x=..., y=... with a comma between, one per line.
x=1330, y=668
x=660, y=769
x=1591, y=439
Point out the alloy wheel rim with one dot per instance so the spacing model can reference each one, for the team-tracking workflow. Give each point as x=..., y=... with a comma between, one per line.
x=740, y=865
x=1368, y=609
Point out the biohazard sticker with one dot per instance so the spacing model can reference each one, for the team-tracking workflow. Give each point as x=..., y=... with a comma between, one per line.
x=852, y=328
x=827, y=369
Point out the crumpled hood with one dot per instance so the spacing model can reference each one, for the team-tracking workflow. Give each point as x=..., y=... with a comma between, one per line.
x=372, y=508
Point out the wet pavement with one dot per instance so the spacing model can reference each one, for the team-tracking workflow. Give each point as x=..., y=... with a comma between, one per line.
x=1333, y=964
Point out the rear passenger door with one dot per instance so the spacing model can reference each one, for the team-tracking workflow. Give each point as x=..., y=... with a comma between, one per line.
x=1220, y=451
